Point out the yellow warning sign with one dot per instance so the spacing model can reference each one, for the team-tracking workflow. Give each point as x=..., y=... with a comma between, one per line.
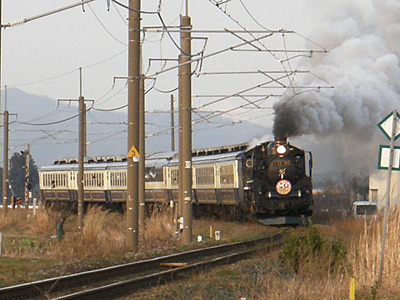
x=134, y=153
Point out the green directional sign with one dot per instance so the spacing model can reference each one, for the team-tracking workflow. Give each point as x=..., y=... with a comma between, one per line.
x=386, y=126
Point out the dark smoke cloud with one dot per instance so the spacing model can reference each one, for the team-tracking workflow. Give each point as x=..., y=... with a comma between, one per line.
x=363, y=66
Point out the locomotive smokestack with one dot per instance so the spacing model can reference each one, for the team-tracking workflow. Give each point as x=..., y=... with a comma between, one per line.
x=281, y=139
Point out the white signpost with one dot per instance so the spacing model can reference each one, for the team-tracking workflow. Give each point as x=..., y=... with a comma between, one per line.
x=390, y=127
x=384, y=158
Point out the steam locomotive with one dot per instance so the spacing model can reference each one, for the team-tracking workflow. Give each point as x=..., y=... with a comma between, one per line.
x=270, y=181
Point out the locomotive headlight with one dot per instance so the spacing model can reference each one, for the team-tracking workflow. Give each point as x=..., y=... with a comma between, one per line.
x=281, y=149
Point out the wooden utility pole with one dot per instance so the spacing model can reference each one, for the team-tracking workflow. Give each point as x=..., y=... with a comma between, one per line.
x=185, y=129
x=132, y=203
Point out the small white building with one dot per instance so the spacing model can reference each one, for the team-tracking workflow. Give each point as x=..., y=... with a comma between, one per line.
x=378, y=188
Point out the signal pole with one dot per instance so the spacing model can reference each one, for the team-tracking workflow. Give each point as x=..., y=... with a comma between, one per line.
x=185, y=129
x=132, y=202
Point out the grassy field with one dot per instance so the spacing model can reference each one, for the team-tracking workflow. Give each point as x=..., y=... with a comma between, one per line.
x=316, y=262
x=31, y=250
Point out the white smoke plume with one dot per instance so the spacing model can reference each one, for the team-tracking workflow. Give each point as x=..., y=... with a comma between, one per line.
x=363, y=39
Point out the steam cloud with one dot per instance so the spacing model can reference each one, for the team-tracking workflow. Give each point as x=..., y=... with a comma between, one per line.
x=363, y=39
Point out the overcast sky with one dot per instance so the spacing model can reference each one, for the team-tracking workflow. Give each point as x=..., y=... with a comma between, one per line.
x=43, y=56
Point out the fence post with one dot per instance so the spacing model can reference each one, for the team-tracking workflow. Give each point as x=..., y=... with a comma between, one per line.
x=352, y=288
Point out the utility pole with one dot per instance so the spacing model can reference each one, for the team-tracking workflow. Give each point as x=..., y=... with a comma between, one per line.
x=5, y=159
x=142, y=162
x=27, y=182
x=84, y=130
x=81, y=158
x=185, y=129
x=81, y=149
x=172, y=124
x=5, y=124
x=132, y=202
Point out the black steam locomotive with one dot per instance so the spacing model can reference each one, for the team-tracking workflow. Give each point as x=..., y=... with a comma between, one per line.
x=280, y=185
x=270, y=181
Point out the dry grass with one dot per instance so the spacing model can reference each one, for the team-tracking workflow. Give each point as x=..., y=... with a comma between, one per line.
x=103, y=234
x=365, y=255
x=103, y=238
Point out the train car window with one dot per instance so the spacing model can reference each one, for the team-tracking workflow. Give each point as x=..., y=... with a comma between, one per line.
x=118, y=179
x=227, y=175
x=205, y=176
x=92, y=179
x=174, y=176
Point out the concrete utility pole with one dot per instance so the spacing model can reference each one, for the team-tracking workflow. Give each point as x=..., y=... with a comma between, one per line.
x=81, y=154
x=27, y=183
x=81, y=161
x=132, y=202
x=5, y=159
x=185, y=129
x=172, y=124
x=142, y=151
x=81, y=149
x=5, y=121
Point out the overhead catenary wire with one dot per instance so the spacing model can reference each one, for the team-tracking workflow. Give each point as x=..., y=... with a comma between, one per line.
x=121, y=107
x=252, y=35
x=26, y=20
x=105, y=28
x=69, y=72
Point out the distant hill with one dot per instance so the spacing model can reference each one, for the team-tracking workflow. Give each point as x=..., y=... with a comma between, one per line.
x=52, y=129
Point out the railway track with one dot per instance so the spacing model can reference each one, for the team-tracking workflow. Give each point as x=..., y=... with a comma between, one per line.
x=122, y=279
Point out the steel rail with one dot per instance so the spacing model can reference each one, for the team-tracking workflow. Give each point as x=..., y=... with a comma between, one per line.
x=132, y=285
x=46, y=286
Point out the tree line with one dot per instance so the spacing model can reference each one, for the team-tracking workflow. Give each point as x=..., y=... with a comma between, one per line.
x=17, y=177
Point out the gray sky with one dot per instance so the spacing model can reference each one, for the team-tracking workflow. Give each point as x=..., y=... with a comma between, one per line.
x=43, y=56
